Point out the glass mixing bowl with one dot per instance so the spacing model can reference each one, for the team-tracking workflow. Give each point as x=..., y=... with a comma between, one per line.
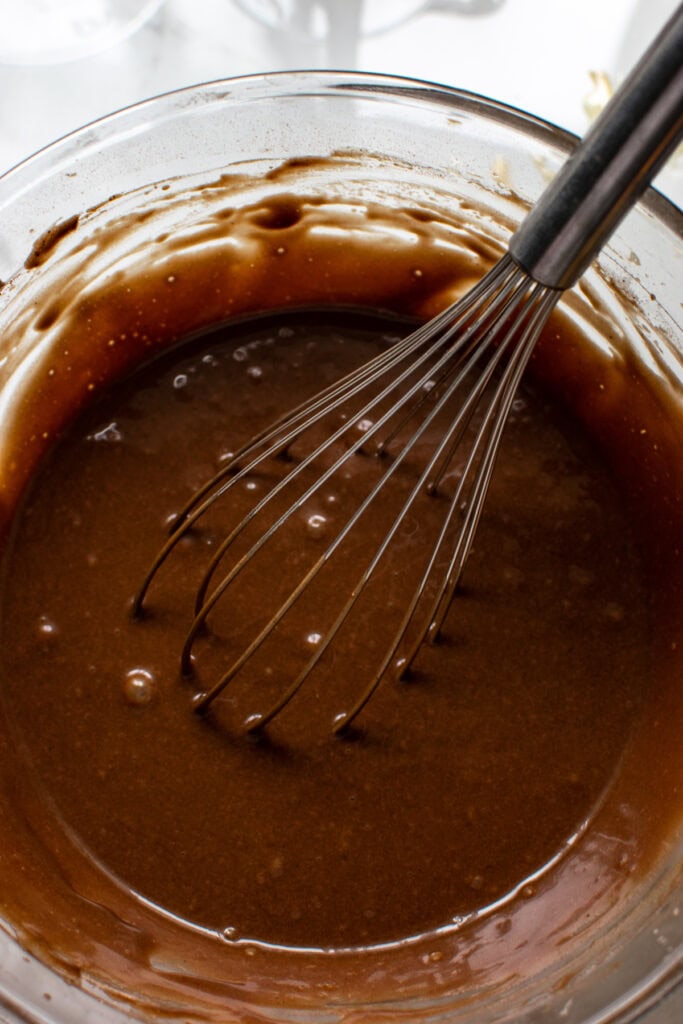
x=397, y=141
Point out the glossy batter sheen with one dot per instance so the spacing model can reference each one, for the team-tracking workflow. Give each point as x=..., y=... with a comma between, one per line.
x=468, y=787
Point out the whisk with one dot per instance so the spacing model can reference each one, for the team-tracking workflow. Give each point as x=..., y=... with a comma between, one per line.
x=459, y=374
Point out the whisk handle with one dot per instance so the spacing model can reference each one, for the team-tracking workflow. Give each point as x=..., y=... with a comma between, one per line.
x=610, y=168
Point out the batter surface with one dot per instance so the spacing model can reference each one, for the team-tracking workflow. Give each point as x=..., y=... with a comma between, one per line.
x=487, y=808
x=464, y=781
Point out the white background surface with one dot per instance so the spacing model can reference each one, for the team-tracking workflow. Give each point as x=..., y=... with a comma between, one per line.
x=534, y=54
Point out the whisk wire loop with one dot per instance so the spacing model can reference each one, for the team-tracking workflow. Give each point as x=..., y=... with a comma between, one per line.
x=421, y=375
x=259, y=721
x=505, y=304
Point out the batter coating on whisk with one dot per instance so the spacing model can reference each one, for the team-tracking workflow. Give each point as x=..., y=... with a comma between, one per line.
x=470, y=787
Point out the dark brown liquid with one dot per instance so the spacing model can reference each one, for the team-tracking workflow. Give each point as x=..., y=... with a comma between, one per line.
x=464, y=782
x=493, y=804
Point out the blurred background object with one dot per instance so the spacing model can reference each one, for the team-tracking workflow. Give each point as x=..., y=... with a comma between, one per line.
x=556, y=60
x=337, y=27
x=52, y=31
x=318, y=19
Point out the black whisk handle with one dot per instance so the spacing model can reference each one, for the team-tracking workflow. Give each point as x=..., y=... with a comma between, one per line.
x=610, y=169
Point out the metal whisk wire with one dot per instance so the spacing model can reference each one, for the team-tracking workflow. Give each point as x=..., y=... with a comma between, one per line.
x=505, y=296
x=512, y=295
x=488, y=334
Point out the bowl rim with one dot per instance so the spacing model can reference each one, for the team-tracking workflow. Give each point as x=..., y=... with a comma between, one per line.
x=21, y=175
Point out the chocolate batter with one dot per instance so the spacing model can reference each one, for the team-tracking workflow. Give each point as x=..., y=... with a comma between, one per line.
x=472, y=788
